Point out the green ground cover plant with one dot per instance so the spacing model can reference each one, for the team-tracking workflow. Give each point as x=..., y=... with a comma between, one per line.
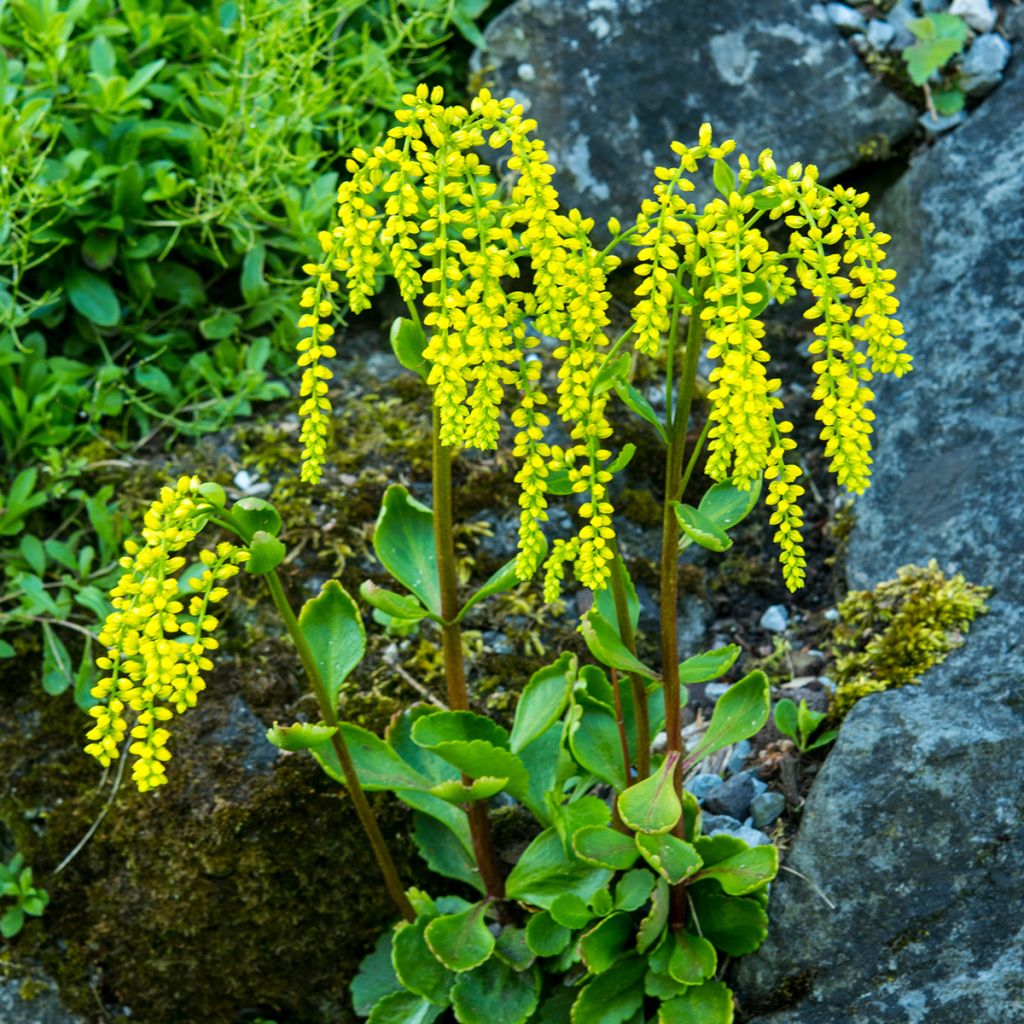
x=162, y=166
x=620, y=908
x=19, y=896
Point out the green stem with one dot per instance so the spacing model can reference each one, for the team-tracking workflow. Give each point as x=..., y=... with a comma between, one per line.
x=670, y=569
x=330, y=717
x=643, y=718
x=451, y=643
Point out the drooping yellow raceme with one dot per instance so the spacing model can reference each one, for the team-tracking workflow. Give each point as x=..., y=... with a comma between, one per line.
x=717, y=261
x=424, y=208
x=156, y=651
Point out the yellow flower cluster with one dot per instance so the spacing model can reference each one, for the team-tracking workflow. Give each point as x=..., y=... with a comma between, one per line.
x=425, y=208
x=156, y=652
x=717, y=264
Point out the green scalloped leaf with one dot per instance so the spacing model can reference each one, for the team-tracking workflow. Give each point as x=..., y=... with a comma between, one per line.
x=300, y=736
x=653, y=925
x=377, y=765
x=605, y=644
x=744, y=872
x=456, y=792
x=417, y=968
x=266, y=553
x=603, y=945
x=404, y=542
x=403, y=607
x=613, y=997
x=739, y=713
x=542, y=701
x=544, y=872
x=545, y=936
x=494, y=993
x=726, y=505
x=710, y=665
x=652, y=805
x=404, y=1008
x=710, y=1003
x=633, y=889
x=376, y=977
x=596, y=744
x=700, y=529
x=604, y=847
x=461, y=941
x=443, y=851
x=512, y=947
x=737, y=925
x=693, y=959
x=572, y=911
x=669, y=855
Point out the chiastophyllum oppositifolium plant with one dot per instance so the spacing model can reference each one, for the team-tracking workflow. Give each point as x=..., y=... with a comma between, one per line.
x=620, y=909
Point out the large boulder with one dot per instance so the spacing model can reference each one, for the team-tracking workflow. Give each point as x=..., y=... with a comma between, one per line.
x=613, y=82
x=915, y=828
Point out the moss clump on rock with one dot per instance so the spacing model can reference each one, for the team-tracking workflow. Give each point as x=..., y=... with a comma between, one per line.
x=890, y=636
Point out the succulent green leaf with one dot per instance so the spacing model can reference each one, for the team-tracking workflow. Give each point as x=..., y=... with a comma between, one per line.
x=456, y=792
x=739, y=713
x=571, y=911
x=301, y=735
x=544, y=872
x=333, y=628
x=823, y=740
x=737, y=925
x=603, y=945
x=442, y=849
x=548, y=764
x=693, y=958
x=604, y=602
x=635, y=401
x=403, y=607
x=512, y=947
x=726, y=505
x=440, y=727
x=404, y=1008
x=604, y=847
x=744, y=872
x=545, y=936
x=724, y=178
x=376, y=977
x=940, y=37
x=605, y=644
x=633, y=889
x=377, y=765
x=786, y=718
x=710, y=665
x=715, y=849
x=417, y=968
x=653, y=925
x=408, y=341
x=613, y=997
x=595, y=743
x=710, y=1003
x=494, y=993
x=669, y=855
x=501, y=580
x=404, y=542
x=213, y=493
x=652, y=805
x=266, y=553
x=461, y=941
x=255, y=514
x=700, y=529
x=807, y=721
x=542, y=702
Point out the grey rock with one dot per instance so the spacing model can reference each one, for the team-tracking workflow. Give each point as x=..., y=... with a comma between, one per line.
x=941, y=124
x=925, y=878
x=738, y=757
x=847, y=19
x=715, y=690
x=977, y=13
x=775, y=618
x=983, y=66
x=732, y=797
x=1013, y=23
x=45, y=1008
x=722, y=824
x=933, y=6
x=702, y=784
x=899, y=17
x=880, y=34
x=766, y=807
x=615, y=81
x=860, y=44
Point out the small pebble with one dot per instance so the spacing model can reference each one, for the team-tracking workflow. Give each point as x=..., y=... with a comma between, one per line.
x=900, y=17
x=880, y=34
x=715, y=690
x=831, y=614
x=846, y=19
x=766, y=807
x=775, y=619
x=937, y=126
x=702, y=784
x=527, y=72
x=933, y=6
x=720, y=824
x=732, y=797
x=983, y=66
x=977, y=13
x=759, y=786
x=860, y=44
x=738, y=758
x=828, y=683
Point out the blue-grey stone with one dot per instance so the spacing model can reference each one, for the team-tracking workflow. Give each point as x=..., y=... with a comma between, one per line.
x=722, y=824
x=941, y=124
x=766, y=807
x=715, y=690
x=983, y=66
x=775, y=618
x=613, y=82
x=702, y=784
x=732, y=797
x=880, y=34
x=738, y=757
x=977, y=13
x=914, y=828
x=847, y=19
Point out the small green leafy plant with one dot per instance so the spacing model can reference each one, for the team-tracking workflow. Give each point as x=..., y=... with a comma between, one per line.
x=940, y=38
x=801, y=725
x=620, y=908
x=19, y=898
